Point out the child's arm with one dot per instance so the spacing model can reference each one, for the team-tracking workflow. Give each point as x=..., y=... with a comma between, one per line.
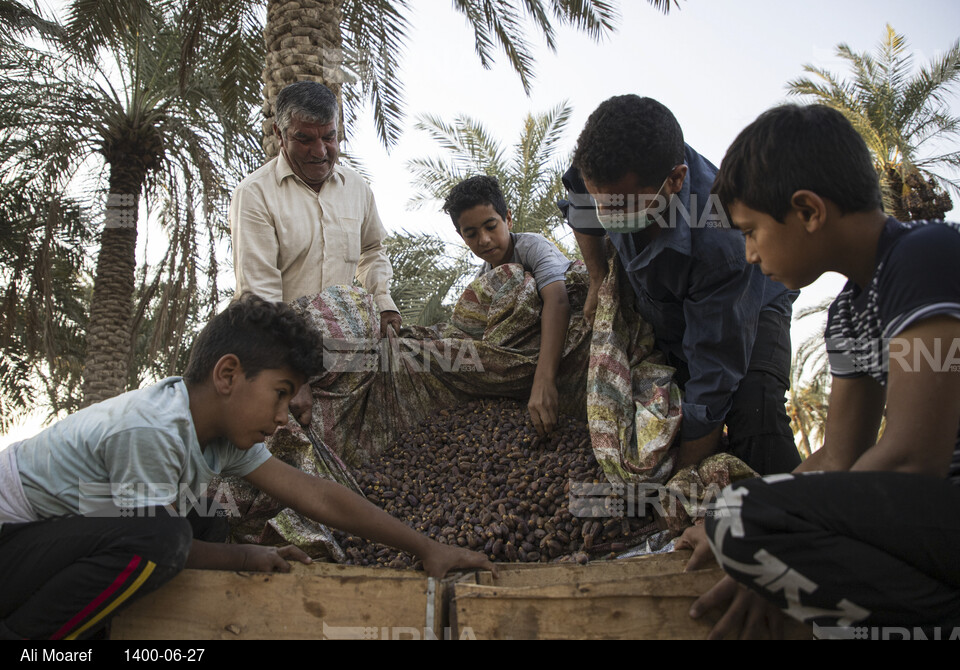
x=923, y=401
x=856, y=407
x=922, y=408
x=332, y=504
x=853, y=420
x=923, y=413
x=554, y=319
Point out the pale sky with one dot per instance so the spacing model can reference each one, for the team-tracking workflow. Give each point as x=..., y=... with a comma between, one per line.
x=717, y=64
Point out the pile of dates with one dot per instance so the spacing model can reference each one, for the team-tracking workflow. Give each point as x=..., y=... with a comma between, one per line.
x=480, y=477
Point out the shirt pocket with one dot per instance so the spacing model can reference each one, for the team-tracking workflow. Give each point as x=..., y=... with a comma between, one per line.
x=662, y=314
x=342, y=239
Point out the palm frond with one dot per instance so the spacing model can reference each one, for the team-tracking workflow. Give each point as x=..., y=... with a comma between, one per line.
x=897, y=109
x=596, y=19
x=530, y=176
x=375, y=35
x=151, y=84
x=425, y=273
x=16, y=17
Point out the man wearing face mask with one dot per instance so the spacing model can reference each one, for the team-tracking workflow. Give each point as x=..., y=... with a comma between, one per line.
x=722, y=324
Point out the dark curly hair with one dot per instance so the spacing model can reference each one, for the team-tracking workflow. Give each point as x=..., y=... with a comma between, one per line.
x=792, y=148
x=479, y=190
x=262, y=335
x=627, y=133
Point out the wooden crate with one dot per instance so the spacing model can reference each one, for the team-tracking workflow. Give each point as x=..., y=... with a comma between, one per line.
x=317, y=601
x=643, y=598
x=547, y=574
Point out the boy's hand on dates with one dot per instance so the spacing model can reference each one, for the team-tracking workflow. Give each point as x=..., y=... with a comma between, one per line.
x=441, y=558
x=258, y=558
x=544, y=407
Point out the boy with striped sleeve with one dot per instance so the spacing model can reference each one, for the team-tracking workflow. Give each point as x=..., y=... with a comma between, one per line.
x=865, y=532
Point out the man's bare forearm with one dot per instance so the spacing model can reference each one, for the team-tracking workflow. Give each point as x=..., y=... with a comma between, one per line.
x=594, y=255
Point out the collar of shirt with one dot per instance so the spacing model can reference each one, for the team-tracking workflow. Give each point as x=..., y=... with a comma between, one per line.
x=283, y=170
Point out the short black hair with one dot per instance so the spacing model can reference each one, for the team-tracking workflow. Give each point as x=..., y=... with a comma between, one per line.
x=627, y=133
x=479, y=190
x=310, y=101
x=791, y=148
x=263, y=335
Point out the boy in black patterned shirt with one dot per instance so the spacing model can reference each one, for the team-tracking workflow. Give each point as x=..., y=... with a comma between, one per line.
x=872, y=539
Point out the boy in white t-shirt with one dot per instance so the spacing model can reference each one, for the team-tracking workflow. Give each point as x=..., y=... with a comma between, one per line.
x=479, y=212
x=107, y=505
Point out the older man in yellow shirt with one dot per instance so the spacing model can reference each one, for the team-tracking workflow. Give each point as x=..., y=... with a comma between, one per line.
x=302, y=222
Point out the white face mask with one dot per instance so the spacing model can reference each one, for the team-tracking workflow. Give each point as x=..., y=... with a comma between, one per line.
x=629, y=220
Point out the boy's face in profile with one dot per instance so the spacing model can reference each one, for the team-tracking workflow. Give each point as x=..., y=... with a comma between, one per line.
x=258, y=406
x=782, y=250
x=487, y=234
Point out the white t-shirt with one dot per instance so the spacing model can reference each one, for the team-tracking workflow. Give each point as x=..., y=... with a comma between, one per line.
x=135, y=450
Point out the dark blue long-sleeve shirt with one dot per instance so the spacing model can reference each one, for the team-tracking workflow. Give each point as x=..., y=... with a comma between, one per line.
x=694, y=286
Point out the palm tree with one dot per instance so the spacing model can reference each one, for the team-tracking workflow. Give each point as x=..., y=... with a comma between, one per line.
x=43, y=284
x=354, y=46
x=141, y=106
x=809, y=393
x=902, y=115
x=44, y=293
x=529, y=175
x=424, y=274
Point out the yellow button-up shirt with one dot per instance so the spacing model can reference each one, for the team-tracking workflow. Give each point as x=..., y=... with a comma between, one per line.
x=290, y=241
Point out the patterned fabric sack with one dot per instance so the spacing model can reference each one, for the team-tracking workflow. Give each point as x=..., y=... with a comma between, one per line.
x=634, y=411
x=374, y=388
x=633, y=404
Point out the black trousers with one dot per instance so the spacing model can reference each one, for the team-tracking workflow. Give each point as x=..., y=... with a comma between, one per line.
x=758, y=429
x=63, y=578
x=843, y=548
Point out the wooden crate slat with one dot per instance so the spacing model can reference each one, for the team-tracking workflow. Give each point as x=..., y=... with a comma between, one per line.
x=311, y=602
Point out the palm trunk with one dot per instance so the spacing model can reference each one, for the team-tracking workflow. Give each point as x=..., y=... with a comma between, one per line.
x=303, y=41
x=108, y=333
